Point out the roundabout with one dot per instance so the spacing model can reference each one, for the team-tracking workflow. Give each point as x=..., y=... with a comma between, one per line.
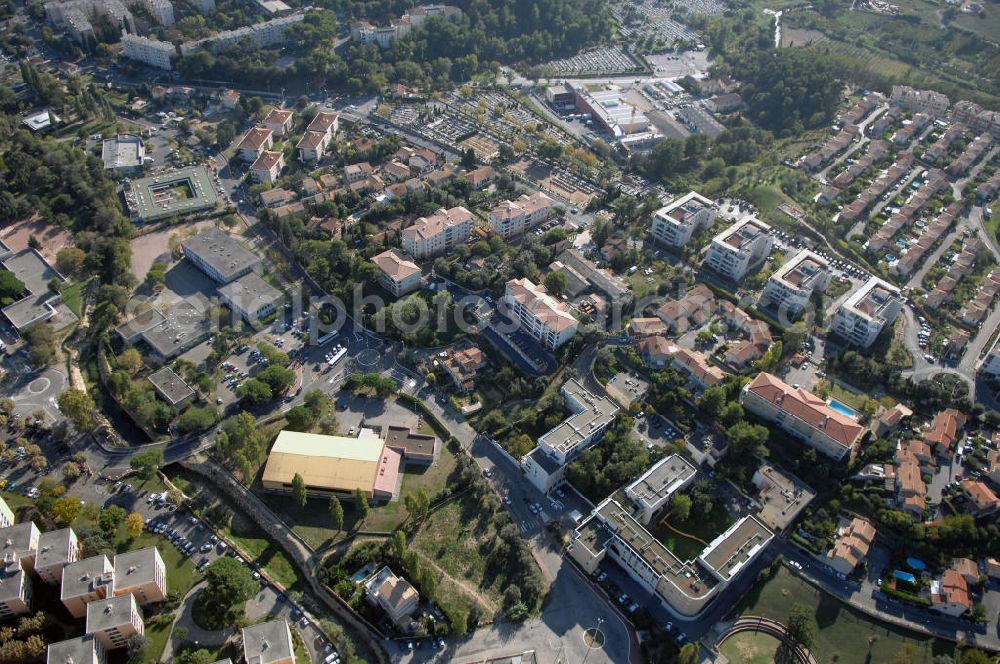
x=594, y=638
x=39, y=385
x=369, y=357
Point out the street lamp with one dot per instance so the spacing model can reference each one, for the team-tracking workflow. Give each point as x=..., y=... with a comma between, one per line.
x=597, y=630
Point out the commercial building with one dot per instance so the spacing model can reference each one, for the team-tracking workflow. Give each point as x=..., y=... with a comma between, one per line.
x=591, y=416
x=183, y=326
x=142, y=574
x=393, y=594
x=740, y=248
x=803, y=415
x=38, y=303
x=267, y=167
x=171, y=388
x=152, y=52
x=854, y=539
x=440, y=232
x=512, y=218
x=279, y=121
x=114, y=620
x=124, y=153
x=81, y=650
x=333, y=465
x=252, y=298
x=654, y=489
x=86, y=581
x=863, y=316
x=919, y=101
x=684, y=587
x=542, y=316
x=793, y=284
x=675, y=223
x=612, y=114
x=254, y=142
x=418, y=449
x=268, y=643
x=56, y=549
x=219, y=255
x=169, y=194
x=397, y=273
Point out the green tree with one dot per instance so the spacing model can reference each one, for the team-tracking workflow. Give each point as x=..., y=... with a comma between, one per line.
x=555, y=282
x=336, y=513
x=254, y=392
x=79, y=408
x=110, y=518
x=361, y=505
x=130, y=360
x=70, y=260
x=147, y=463
x=800, y=626
x=712, y=400
x=41, y=344
x=300, y=418
x=299, y=490
x=688, y=654
x=136, y=647
x=469, y=159
x=228, y=583
x=680, y=506
x=11, y=287
x=65, y=510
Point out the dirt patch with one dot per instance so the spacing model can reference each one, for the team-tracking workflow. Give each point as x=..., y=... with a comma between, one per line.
x=51, y=237
x=798, y=37
x=147, y=248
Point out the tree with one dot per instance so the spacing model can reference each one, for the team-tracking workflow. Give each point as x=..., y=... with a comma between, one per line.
x=110, y=518
x=336, y=513
x=70, y=260
x=973, y=656
x=300, y=418
x=712, y=400
x=41, y=344
x=156, y=277
x=299, y=490
x=10, y=287
x=254, y=392
x=361, y=504
x=688, y=654
x=65, y=510
x=194, y=656
x=130, y=360
x=800, y=626
x=278, y=378
x=134, y=523
x=747, y=439
x=137, y=646
x=555, y=282
x=71, y=470
x=680, y=506
x=79, y=408
x=459, y=619
x=148, y=463
x=469, y=159
x=227, y=583
x=198, y=419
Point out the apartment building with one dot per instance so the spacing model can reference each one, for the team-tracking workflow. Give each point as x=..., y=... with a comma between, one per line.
x=590, y=417
x=803, y=415
x=86, y=581
x=218, y=255
x=358, y=172
x=251, y=297
x=257, y=140
x=364, y=32
x=655, y=488
x=6, y=515
x=397, y=273
x=393, y=594
x=542, y=316
x=114, y=620
x=440, y=232
x=77, y=16
x=142, y=574
x=512, y=218
x=268, y=643
x=15, y=592
x=790, y=288
x=56, y=549
x=262, y=35
x=152, y=52
x=279, y=121
x=863, y=316
x=267, y=167
x=740, y=248
x=81, y=650
x=19, y=544
x=854, y=539
x=923, y=101
x=674, y=224
x=203, y=6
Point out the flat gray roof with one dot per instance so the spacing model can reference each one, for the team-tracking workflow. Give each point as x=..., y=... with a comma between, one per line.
x=29, y=266
x=12, y=584
x=170, y=386
x=589, y=413
x=223, y=253
x=32, y=309
x=656, y=485
x=160, y=196
x=134, y=568
x=728, y=552
x=251, y=292
x=81, y=650
x=184, y=326
x=267, y=642
x=16, y=539
x=54, y=547
x=81, y=577
x=122, y=151
x=111, y=612
x=142, y=322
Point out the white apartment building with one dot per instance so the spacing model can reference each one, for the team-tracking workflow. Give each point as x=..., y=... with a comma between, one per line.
x=6, y=514
x=990, y=368
x=56, y=549
x=863, y=316
x=790, y=288
x=161, y=11
x=739, y=248
x=76, y=16
x=803, y=415
x=542, y=316
x=203, y=6
x=674, y=224
x=152, y=52
x=279, y=121
x=919, y=101
x=364, y=32
x=512, y=218
x=317, y=137
x=267, y=167
x=437, y=233
x=397, y=273
x=267, y=33
x=256, y=141
x=591, y=415
x=113, y=621
x=654, y=489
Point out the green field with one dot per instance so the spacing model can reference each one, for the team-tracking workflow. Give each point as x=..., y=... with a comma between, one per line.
x=842, y=633
x=751, y=648
x=700, y=531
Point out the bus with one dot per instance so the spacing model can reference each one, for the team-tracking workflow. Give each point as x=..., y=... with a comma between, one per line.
x=327, y=337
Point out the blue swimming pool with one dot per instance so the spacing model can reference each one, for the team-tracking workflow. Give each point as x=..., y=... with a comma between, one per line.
x=842, y=408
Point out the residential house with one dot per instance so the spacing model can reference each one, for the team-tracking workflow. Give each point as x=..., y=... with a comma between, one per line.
x=273, y=198
x=268, y=643
x=950, y=594
x=968, y=569
x=980, y=498
x=891, y=418
x=481, y=177
x=396, y=172
x=358, y=172
x=646, y=327
x=944, y=430
x=393, y=594
x=854, y=539
x=695, y=366
x=462, y=367
x=655, y=351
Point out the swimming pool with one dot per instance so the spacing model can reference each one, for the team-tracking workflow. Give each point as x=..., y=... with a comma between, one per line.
x=841, y=408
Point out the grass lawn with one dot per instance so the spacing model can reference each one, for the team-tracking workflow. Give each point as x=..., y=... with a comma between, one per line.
x=72, y=295
x=181, y=573
x=751, y=648
x=846, y=397
x=701, y=530
x=158, y=631
x=452, y=539
x=842, y=634
x=266, y=553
